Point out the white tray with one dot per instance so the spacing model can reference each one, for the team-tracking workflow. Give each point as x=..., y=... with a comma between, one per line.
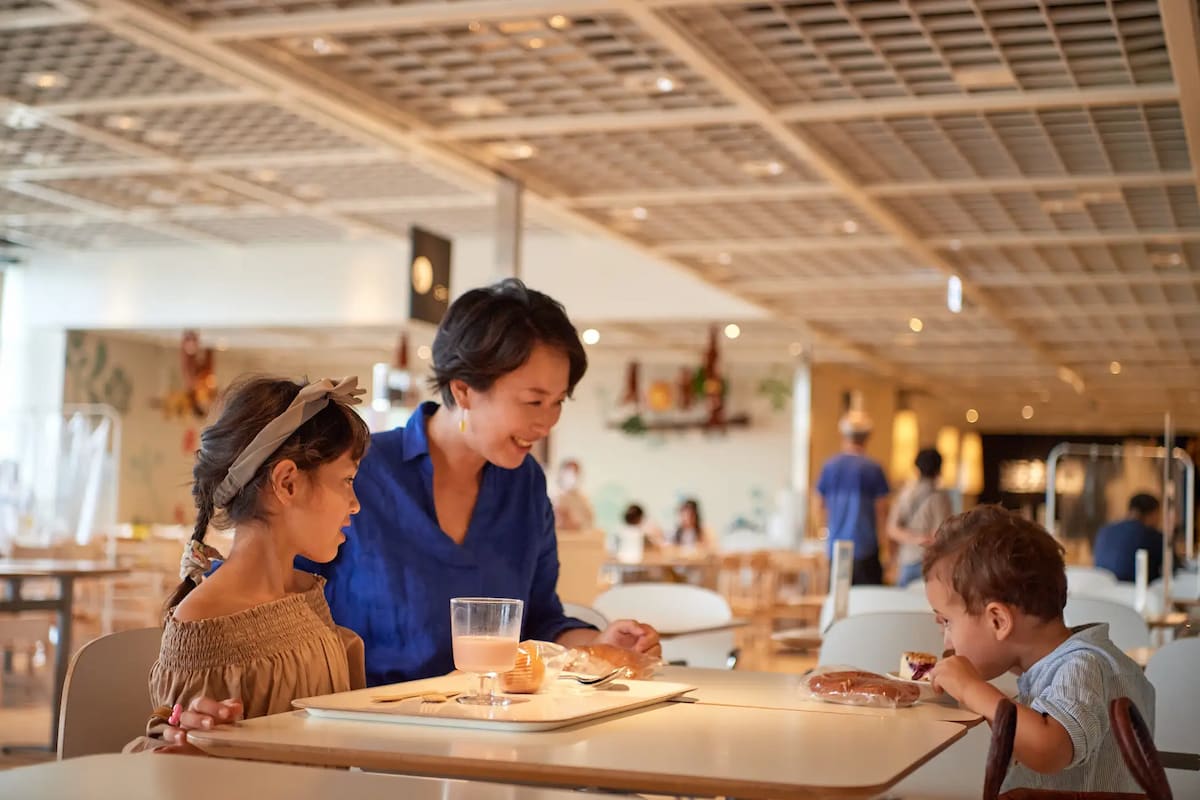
x=565, y=703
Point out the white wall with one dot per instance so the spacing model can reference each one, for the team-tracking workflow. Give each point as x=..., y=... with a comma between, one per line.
x=736, y=474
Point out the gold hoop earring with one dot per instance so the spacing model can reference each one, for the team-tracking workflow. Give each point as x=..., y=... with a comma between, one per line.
x=462, y=422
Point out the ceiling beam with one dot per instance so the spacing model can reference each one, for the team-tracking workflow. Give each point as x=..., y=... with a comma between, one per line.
x=608, y=122
x=824, y=111
x=33, y=18
x=798, y=191
x=977, y=103
x=387, y=18
x=708, y=66
x=152, y=102
x=700, y=247
x=1181, y=26
x=1065, y=239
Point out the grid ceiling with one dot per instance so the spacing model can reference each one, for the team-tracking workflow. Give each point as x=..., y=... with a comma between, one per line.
x=830, y=161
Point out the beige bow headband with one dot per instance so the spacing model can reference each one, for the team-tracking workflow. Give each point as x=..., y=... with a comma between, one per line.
x=308, y=403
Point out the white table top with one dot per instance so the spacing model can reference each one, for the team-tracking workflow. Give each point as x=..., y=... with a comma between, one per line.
x=676, y=748
x=783, y=691
x=158, y=777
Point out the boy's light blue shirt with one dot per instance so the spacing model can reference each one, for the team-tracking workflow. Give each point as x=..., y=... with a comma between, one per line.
x=1074, y=685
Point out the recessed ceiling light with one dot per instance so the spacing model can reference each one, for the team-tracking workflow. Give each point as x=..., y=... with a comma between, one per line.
x=315, y=46
x=724, y=259
x=796, y=349
x=916, y=325
x=22, y=118
x=1115, y=367
x=424, y=353
x=732, y=331
x=475, y=26
x=535, y=43
x=123, y=122
x=984, y=77
x=849, y=226
x=45, y=80
x=37, y=159
x=972, y=416
x=1166, y=258
x=477, y=105
x=1069, y=205
x=650, y=83
x=639, y=213
x=591, y=336
x=264, y=175
x=1027, y=412
x=162, y=137
x=955, y=244
x=559, y=22
x=512, y=151
x=763, y=168
x=309, y=191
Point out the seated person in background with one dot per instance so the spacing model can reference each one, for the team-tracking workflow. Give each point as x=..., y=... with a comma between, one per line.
x=572, y=510
x=998, y=585
x=637, y=535
x=690, y=533
x=1117, y=543
x=278, y=466
x=916, y=515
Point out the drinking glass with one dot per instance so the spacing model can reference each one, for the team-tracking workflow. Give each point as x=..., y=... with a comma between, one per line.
x=485, y=633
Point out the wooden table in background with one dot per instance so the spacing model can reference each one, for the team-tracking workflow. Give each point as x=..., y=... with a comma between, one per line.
x=15, y=571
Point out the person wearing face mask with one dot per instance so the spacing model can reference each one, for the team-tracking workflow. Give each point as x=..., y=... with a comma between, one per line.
x=572, y=510
x=454, y=505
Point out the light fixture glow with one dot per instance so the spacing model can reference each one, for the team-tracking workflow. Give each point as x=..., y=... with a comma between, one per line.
x=732, y=331
x=591, y=336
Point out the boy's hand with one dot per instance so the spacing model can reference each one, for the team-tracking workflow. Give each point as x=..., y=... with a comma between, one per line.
x=954, y=675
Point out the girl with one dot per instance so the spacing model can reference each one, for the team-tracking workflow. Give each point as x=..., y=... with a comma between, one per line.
x=278, y=466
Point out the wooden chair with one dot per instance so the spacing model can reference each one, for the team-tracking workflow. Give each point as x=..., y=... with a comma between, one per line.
x=1133, y=737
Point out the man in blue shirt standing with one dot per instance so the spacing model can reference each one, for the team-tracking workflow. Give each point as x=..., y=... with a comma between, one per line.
x=854, y=494
x=1117, y=543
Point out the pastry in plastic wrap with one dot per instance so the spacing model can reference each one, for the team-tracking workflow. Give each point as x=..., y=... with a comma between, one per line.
x=530, y=670
x=860, y=688
x=599, y=659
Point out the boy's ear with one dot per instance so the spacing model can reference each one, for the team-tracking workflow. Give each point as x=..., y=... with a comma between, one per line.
x=999, y=619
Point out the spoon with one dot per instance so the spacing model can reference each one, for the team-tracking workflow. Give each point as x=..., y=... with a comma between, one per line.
x=596, y=681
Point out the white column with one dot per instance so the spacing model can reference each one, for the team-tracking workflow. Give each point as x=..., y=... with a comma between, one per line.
x=801, y=444
x=509, y=226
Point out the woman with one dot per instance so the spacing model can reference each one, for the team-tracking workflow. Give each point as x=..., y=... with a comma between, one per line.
x=453, y=504
x=918, y=512
x=690, y=533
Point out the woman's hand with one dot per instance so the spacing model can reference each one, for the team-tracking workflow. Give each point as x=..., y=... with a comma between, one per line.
x=632, y=635
x=201, y=714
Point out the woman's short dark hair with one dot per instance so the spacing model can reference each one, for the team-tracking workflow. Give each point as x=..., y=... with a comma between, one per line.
x=487, y=333
x=929, y=463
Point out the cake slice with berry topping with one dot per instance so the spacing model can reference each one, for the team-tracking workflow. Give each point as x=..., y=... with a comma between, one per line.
x=916, y=666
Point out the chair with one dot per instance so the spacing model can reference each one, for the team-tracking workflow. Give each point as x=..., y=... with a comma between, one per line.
x=1172, y=671
x=581, y=559
x=875, y=642
x=674, y=609
x=1184, y=586
x=1133, y=738
x=876, y=599
x=587, y=614
x=1083, y=580
x=106, y=698
x=1126, y=627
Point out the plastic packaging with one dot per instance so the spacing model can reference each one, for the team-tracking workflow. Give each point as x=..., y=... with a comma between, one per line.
x=599, y=659
x=856, y=687
x=538, y=666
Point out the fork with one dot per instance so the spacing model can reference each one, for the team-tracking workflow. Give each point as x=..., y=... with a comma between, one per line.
x=596, y=681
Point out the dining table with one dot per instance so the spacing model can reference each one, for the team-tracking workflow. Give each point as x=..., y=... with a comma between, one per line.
x=749, y=738
x=13, y=574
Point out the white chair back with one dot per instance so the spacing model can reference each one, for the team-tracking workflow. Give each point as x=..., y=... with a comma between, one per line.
x=876, y=600
x=1184, y=586
x=1126, y=627
x=672, y=608
x=1085, y=580
x=1172, y=671
x=587, y=614
x=876, y=642
x=106, y=698
x=1126, y=595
